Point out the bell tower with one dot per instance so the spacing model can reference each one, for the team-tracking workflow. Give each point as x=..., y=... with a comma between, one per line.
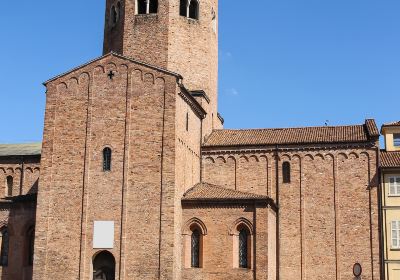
x=178, y=35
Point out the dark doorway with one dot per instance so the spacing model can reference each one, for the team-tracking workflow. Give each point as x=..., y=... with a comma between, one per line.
x=104, y=266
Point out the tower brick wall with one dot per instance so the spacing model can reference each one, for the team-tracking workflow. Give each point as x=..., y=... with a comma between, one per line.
x=171, y=41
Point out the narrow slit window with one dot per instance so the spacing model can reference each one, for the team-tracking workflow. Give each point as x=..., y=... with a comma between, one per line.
x=194, y=9
x=114, y=15
x=9, y=185
x=107, y=159
x=195, y=249
x=187, y=121
x=4, y=247
x=286, y=172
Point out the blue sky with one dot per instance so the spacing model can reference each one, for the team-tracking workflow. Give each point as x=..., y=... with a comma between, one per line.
x=283, y=63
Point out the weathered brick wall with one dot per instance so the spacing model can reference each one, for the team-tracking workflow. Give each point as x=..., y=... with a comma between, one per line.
x=186, y=46
x=187, y=168
x=141, y=117
x=18, y=217
x=328, y=213
x=27, y=167
x=218, y=250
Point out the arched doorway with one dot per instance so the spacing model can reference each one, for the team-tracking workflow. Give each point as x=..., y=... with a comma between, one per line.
x=104, y=266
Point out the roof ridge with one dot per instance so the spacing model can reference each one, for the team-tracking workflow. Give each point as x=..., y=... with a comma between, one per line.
x=284, y=128
x=205, y=184
x=142, y=63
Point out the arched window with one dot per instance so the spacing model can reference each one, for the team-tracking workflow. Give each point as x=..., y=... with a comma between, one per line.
x=114, y=16
x=194, y=232
x=243, y=248
x=153, y=6
x=286, y=172
x=194, y=9
x=9, y=185
x=104, y=266
x=5, y=239
x=106, y=159
x=183, y=8
x=195, y=248
x=146, y=7
x=242, y=243
x=30, y=243
x=141, y=7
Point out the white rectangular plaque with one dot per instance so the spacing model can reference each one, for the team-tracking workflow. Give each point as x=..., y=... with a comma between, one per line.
x=103, y=235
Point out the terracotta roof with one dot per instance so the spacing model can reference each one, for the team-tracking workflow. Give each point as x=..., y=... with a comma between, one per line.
x=390, y=159
x=303, y=135
x=210, y=192
x=391, y=124
x=31, y=149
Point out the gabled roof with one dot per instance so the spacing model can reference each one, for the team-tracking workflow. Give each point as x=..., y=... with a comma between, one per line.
x=301, y=135
x=209, y=192
x=390, y=159
x=31, y=149
x=119, y=56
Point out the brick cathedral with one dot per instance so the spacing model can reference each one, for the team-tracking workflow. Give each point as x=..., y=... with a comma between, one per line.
x=137, y=179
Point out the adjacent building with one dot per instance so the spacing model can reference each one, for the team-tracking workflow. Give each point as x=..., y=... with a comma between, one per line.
x=390, y=190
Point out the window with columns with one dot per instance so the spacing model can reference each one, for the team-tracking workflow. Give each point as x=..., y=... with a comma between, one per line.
x=144, y=7
x=189, y=8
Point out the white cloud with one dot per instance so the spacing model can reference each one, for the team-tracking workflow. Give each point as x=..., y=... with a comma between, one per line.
x=232, y=91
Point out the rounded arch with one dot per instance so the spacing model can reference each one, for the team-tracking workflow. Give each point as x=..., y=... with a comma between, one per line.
x=209, y=160
x=232, y=159
x=285, y=157
x=342, y=156
x=149, y=78
x=264, y=158
x=308, y=157
x=243, y=159
x=220, y=159
x=296, y=157
x=239, y=224
x=104, y=266
x=192, y=224
x=253, y=158
x=353, y=155
x=319, y=156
